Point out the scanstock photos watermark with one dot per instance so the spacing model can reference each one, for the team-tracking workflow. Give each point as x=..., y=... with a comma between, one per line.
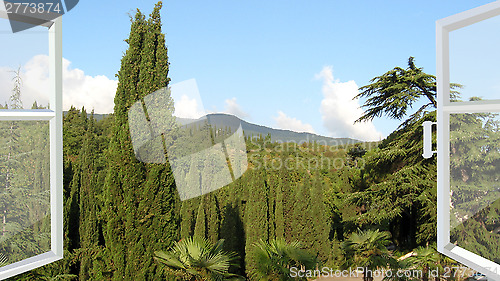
x=25, y=14
x=359, y=272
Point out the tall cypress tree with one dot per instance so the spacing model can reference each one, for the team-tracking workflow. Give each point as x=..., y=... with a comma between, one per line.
x=232, y=228
x=257, y=215
x=159, y=204
x=90, y=229
x=187, y=218
x=125, y=172
x=303, y=222
x=284, y=200
x=213, y=217
x=140, y=198
x=200, y=228
x=321, y=244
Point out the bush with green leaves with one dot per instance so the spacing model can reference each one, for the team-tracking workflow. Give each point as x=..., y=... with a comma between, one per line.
x=273, y=260
x=197, y=259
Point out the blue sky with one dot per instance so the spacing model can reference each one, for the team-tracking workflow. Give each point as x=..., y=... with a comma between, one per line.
x=291, y=64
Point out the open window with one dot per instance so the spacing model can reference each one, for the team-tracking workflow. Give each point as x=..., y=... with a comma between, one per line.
x=468, y=138
x=31, y=197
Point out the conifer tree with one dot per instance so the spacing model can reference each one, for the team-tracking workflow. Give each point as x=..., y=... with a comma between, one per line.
x=90, y=229
x=232, y=228
x=213, y=217
x=140, y=198
x=125, y=173
x=284, y=200
x=394, y=93
x=321, y=230
x=303, y=223
x=74, y=128
x=399, y=188
x=200, y=228
x=208, y=218
x=72, y=212
x=279, y=208
x=257, y=215
x=187, y=219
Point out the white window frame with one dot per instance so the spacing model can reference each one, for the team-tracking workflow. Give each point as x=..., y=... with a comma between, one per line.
x=54, y=115
x=444, y=109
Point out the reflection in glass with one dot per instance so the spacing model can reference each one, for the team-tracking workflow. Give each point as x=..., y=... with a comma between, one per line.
x=24, y=63
x=475, y=183
x=474, y=58
x=24, y=190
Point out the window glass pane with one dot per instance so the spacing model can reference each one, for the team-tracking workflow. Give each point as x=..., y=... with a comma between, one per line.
x=474, y=59
x=475, y=183
x=24, y=190
x=24, y=52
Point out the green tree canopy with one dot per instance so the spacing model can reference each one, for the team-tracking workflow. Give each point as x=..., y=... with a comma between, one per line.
x=394, y=93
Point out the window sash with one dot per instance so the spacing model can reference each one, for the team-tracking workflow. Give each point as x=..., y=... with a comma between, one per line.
x=54, y=115
x=444, y=109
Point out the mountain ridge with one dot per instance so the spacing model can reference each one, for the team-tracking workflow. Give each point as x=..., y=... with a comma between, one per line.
x=222, y=120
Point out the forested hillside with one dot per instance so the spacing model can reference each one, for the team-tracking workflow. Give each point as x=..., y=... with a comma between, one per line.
x=302, y=203
x=311, y=193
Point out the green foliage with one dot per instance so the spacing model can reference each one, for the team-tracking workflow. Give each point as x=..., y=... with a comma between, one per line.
x=474, y=162
x=394, y=93
x=74, y=125
x=258, y=219
x=200, y=228
x=24, y=189
x=273, y=260
x=142, y=206
x=187, y=218
x=367, y=249
x=119, y=212
x=425, y=259
x=253, y=207
x=320, y=228
x=198, y=259
x=397, y=190
x=303, y=228
x=425, y=263
x=15, y=98
x=356, y=152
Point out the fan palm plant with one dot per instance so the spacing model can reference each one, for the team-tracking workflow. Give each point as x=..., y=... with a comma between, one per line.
x=425, y=258
x=3, y=260
x=367, y=249
x=273, y=260
x=197, y=259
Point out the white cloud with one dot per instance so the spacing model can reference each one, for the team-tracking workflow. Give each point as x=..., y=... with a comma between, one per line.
x=232, y=107
x=289, y=123
x=187, y=100
x=93, y=92
x=34, y=82
x=339, y=110
x=186, y=107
